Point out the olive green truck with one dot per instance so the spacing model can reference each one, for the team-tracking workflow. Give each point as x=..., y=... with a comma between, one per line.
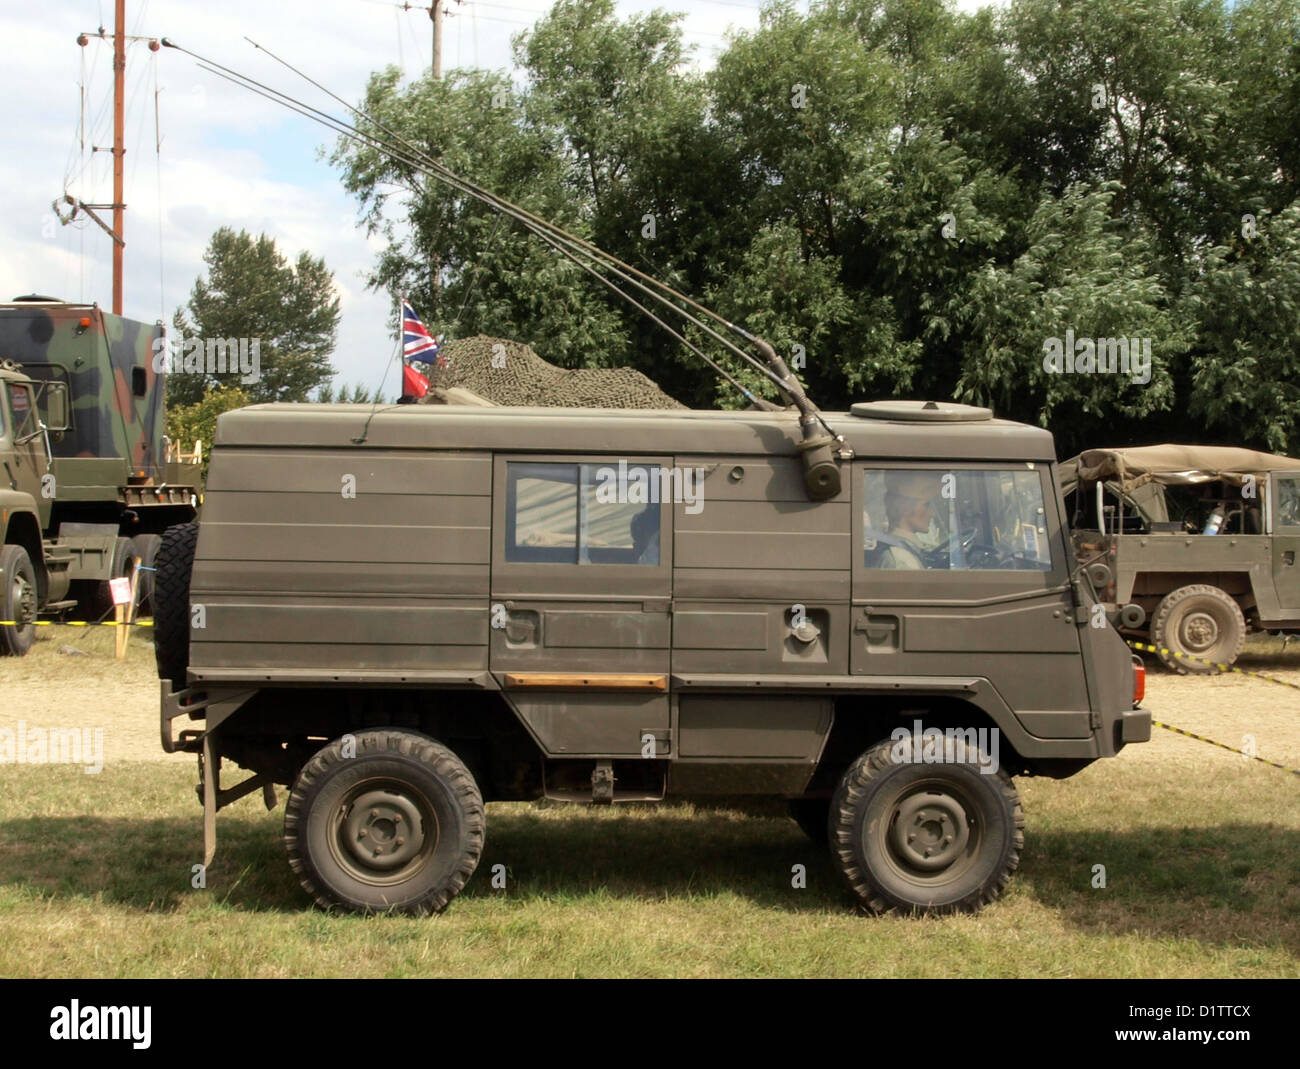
x=403, y=613
x=86, y=486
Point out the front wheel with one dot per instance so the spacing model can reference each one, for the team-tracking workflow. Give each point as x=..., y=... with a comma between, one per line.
x=384, y=821
x=929, y=836
x=17, y=600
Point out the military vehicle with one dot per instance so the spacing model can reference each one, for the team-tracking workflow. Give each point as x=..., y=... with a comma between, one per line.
x=94, y=494
x=1202, y=539
x=402, y=613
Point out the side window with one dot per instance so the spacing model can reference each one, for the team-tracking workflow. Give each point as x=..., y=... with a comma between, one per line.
x=582, y=514
x=20, y=400
x=1288, y=501
x=915, y=519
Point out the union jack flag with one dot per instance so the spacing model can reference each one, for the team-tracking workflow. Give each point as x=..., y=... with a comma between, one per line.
x=417, y=342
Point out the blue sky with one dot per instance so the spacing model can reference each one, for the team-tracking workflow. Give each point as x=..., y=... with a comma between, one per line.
x=228, y=158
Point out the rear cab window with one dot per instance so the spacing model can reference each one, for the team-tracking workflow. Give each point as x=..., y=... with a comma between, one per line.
x=582, y=514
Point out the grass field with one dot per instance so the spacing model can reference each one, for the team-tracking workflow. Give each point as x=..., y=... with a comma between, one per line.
x=1200, y=850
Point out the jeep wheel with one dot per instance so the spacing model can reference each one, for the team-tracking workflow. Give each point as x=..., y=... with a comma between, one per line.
x=17, y=600
x=812, y=814
x=96, y=596
x=1198, y=621
x=384, y=821
x=932, y=838
x=171, y=602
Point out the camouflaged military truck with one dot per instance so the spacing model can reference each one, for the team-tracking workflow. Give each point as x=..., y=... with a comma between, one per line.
x=95, y=493
x=403, y=613
x=1201, y=540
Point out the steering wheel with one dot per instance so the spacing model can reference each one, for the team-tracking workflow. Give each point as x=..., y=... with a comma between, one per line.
x=941, y=555
x=983, y=555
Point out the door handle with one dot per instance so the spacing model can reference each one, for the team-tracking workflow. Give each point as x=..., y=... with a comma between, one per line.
x=881, y=631
x=1288, y=556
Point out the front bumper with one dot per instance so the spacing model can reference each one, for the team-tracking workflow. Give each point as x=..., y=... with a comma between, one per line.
x=1135, y=726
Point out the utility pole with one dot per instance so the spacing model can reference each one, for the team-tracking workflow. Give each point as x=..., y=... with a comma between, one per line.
x=118, y=205
x=435, y=16
x=119, y=148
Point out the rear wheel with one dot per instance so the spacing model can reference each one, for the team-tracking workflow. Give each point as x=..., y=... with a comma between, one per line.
x=17, y=600
x=1201, y=622
x=938, y=837
x=384, y=821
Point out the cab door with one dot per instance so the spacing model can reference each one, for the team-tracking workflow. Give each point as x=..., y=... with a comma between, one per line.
x=1284, y=515
x=960, y=574
x=581, y=583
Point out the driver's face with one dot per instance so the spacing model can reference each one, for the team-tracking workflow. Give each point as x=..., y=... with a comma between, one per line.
x=916, y=514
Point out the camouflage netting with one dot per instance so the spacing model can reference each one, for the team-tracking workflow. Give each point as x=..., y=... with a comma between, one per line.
x=527, y=379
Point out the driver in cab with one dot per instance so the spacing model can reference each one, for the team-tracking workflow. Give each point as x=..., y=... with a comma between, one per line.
x=909, y=511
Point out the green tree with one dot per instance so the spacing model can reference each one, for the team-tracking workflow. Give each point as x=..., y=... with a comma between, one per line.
x=253, y=292
x=917, y=197
x=197, y=422
x=1245, y=369
x=355, y=394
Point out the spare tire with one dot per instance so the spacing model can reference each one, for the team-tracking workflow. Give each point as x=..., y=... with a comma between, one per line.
x=171, y=602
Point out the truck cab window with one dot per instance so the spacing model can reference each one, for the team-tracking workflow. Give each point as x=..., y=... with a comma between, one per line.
x=20, y=401
x=1288, y=501
x=927, y=519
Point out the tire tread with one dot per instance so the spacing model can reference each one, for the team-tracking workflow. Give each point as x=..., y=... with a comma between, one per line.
x=435, y=756
x=853, y=788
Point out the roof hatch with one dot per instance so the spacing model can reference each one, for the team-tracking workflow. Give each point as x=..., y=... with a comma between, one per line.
x=921, y=411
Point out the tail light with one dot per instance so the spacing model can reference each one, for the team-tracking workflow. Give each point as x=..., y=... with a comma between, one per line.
x=1139, y=681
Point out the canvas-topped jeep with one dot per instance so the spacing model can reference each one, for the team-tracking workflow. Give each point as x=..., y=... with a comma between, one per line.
x=1201, y=539
x=403, y=613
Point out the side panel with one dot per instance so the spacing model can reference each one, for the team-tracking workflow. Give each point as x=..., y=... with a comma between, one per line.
x=316, y=559
x=1158, y=563
x=761, y=579
x=580, y=596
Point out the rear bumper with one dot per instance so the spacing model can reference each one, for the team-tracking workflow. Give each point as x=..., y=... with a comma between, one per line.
x=1135, y=726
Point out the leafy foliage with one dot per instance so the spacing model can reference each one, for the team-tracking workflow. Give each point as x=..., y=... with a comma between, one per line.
x=252, y=291
x=918, y=199
x=197, y=422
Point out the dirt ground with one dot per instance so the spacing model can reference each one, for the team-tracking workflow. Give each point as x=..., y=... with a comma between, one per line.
x=51, y=688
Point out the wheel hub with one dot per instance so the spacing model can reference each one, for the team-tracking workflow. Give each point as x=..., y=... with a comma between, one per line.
x=23, y=599
x=1200, y=631
x=929, y=831
x=383, y=830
